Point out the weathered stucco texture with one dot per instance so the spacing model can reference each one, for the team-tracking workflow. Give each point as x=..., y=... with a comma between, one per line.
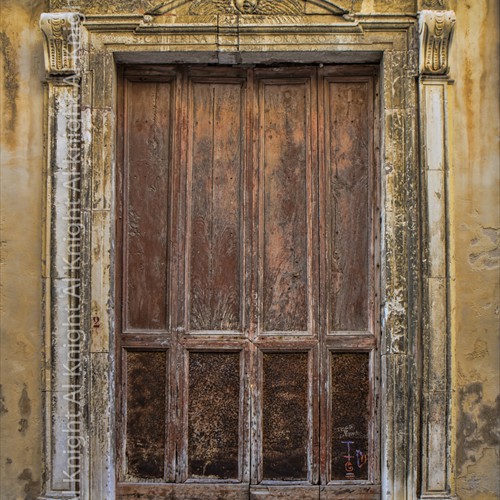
x=475, y=223
x=21, y=69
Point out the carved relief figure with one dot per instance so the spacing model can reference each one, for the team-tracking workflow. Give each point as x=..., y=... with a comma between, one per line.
x=262, y=7
x=246, y=6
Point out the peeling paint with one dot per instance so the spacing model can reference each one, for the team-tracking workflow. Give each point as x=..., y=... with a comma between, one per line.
x=485, y=253
x=475, y=223
x=480, y=350
x=478, y=425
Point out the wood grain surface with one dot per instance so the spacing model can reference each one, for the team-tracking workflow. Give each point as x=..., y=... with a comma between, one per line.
x=246, y=291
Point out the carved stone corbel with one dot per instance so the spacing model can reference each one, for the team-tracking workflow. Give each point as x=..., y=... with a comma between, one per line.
x=62, y=35
x=436, y=31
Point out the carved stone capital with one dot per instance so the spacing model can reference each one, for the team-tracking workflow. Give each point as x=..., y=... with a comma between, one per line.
x=436, y=31
x=62, y=42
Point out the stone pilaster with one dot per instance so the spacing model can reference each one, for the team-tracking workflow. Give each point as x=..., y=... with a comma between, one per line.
x=436, y=30
x=64, y=336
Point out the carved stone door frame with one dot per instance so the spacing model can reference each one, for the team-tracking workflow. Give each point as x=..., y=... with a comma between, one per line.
x=81, y=59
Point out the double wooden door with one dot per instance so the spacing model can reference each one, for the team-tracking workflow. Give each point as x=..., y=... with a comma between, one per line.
x=246, y=282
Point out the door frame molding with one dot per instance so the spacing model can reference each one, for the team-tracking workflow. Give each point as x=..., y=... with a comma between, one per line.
x=80, y=130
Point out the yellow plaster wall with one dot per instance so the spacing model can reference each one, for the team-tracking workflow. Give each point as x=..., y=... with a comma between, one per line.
x=475, y=222
x=21, y=69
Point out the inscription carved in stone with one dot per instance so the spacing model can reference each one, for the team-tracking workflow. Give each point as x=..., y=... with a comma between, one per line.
x=436, y=31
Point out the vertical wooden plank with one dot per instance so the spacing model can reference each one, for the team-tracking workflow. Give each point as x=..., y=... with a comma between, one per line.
x=313, y=217
x=348, y=259
x=177, y=264
x=283, y=112
x=324, y=431
x=251, y=207
x=120, y=408
x=217, y=128
x=348, y=145
x=146, y=224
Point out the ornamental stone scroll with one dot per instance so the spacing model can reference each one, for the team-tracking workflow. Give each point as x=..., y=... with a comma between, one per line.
x=62, y=34
x=436, y=32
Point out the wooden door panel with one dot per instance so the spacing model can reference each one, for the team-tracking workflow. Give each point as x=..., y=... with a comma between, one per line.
x=284, y=167
x=348, y=398
x=285, y=416
x=149, y=109
x=247, y=340
x=348, y=166
x=217, y=148
x=146, y=398
x=214, y=415
x=350, y=415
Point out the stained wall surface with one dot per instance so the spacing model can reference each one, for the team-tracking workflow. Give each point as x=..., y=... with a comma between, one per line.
x=21, y=150
x=474, y=223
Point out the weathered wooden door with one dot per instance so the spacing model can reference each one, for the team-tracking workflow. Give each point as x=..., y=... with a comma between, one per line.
x=246, y=283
